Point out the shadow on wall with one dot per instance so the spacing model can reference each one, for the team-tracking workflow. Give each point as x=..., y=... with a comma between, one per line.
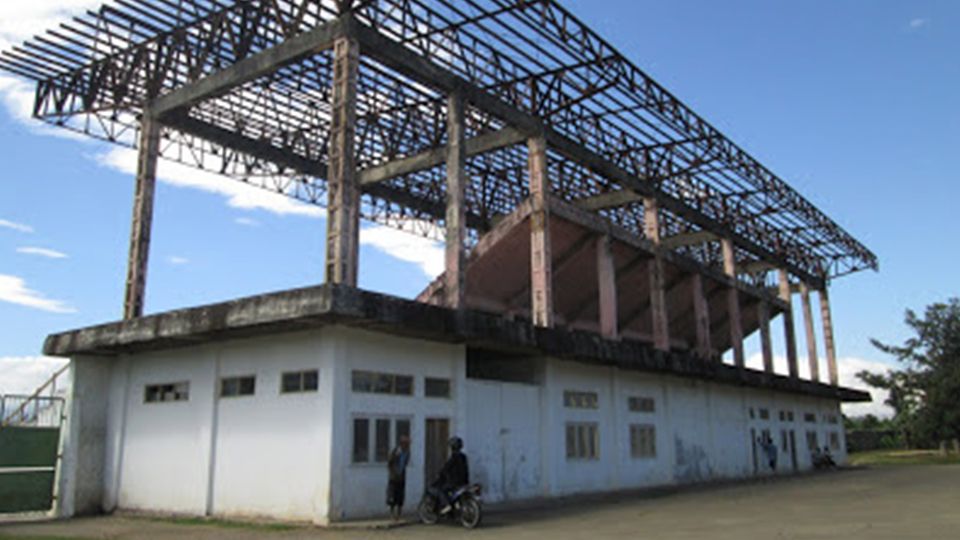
x=692, y=463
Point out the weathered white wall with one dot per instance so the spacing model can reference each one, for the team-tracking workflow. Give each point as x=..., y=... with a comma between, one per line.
x=289, y=455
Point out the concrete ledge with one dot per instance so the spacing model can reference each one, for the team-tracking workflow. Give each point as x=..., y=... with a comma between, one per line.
x=315, y=307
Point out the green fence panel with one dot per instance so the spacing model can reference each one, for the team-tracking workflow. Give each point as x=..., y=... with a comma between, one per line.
x=26, y=491
x=28, y=446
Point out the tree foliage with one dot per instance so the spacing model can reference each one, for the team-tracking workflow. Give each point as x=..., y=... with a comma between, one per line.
x=925, y=394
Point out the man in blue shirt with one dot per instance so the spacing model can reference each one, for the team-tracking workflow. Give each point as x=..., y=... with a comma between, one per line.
x=397, y=483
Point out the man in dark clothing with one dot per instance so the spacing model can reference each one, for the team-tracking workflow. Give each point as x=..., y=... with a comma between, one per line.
x=454, y=475
x=397, y=483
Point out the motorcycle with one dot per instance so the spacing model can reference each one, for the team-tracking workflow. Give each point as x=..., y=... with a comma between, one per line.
x=466, y=503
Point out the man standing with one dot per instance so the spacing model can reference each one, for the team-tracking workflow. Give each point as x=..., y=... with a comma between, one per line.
x=397, y=482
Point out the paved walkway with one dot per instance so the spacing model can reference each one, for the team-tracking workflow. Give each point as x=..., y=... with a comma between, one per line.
x=881, y=503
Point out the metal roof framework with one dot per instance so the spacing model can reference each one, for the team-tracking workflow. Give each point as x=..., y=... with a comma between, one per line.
x=243, y=88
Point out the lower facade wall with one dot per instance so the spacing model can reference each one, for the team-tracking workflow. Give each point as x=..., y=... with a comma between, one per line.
x=293, y=456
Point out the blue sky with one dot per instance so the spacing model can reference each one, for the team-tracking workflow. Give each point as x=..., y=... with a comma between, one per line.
x=854, y=103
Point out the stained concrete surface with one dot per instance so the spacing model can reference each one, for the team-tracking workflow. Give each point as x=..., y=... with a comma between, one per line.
x=901, y=502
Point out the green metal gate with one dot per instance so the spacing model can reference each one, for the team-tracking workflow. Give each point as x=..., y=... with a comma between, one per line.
x=29, y=448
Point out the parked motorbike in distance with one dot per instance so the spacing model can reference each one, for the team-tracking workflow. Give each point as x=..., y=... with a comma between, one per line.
x=466, y=503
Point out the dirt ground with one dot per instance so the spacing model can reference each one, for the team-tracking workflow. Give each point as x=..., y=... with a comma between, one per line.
x=897, y=502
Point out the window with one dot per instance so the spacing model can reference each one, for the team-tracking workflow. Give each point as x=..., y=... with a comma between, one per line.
x=790, y=416
x=834, y=440
x=812, y=441
x=159, y=393
x=643, y=441
x=583, y=441
x=764, y=414
x=581, y=400
x=237, y=386
x=382, y=383
x=641, y=404
x=383, y=432
x=831, y=419
x=810, y=417
x=438, y=388
x=299, y=381
x=752, y=415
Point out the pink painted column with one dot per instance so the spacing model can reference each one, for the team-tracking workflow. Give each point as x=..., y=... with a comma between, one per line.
x=828, y=342
x=607, y=288
x=701, y=311
x=811, y=333
x=541, y=271
x=788, y=331
x=658, y=298
x=733, y=303
x=766, y=345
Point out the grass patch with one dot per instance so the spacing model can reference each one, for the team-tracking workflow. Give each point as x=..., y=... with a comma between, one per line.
x=266, y=526
x=904, y=457
x=40, y=537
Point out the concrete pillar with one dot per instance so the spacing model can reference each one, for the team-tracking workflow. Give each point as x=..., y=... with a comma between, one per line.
x=148, y=150
x=541, y=272
x=733, y=303
x=701, y=311
x=343, y=193
x=811, y=333
x=658, y=298
x=607, y=288
x=828, y=343
x=789, y=335
x=455, y=259
x=766, y=345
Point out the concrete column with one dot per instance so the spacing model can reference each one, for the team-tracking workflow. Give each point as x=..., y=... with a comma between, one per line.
x=607, y=288
x=766, y=345
x=828, y=343
x=789, y=335
x=658, y=298
x=811, y=333
x=455, y=259
x=148, y=150
x=701, y=311
x=541, y=272
x=733, y=303
x=343, y=193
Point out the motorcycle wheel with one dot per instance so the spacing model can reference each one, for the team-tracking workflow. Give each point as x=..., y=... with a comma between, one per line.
x=427, y=511
x=470, y=513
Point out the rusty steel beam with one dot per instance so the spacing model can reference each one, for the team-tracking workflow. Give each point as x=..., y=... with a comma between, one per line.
x=147, y=154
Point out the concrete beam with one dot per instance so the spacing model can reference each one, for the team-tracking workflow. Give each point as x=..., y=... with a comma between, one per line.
x=148, y=151
x=253, y=67
x=755, y=267
x=828, y=343
x=810, y=332
x=481, y=144
x=455, y=249
x=541, y=258
x=343, y=191
x=789, y=334
x=611, y=199
x=689, y=239
x=733, y=304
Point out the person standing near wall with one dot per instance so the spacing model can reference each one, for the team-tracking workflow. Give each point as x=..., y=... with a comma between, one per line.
x=397, y=479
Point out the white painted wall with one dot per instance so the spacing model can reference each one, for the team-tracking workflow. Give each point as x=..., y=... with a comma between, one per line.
x=288, y=456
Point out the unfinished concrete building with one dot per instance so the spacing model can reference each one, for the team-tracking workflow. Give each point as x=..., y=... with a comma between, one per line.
x=605, y=247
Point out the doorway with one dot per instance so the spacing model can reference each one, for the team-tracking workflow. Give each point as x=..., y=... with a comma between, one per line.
x=793, y=449
x=435, y=447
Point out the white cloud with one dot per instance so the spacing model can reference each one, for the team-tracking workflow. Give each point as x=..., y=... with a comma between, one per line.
x=427, y=254
x=42, y=252
x=14, y=290
x=238, y=194
x=24, y=374
x=918, y=23
x=178, y=260
x=21, y=20
x=19, y=227
x=847, y=369
x=247, y=222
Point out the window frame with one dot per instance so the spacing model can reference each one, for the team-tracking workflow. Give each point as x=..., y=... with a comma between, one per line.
x=446, y=380
x=173, y=388
x=375, y=383
x=574, y=399
x=586, y=441
x=302, y=379
x=636, y=434
x=373, y=420
x=641, y=404
x=239, y=379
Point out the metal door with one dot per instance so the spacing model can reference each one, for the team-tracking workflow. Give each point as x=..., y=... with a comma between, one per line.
x=29, y=447
x=435, y=449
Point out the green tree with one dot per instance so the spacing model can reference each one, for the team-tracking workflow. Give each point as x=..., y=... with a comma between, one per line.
x=925, y=394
